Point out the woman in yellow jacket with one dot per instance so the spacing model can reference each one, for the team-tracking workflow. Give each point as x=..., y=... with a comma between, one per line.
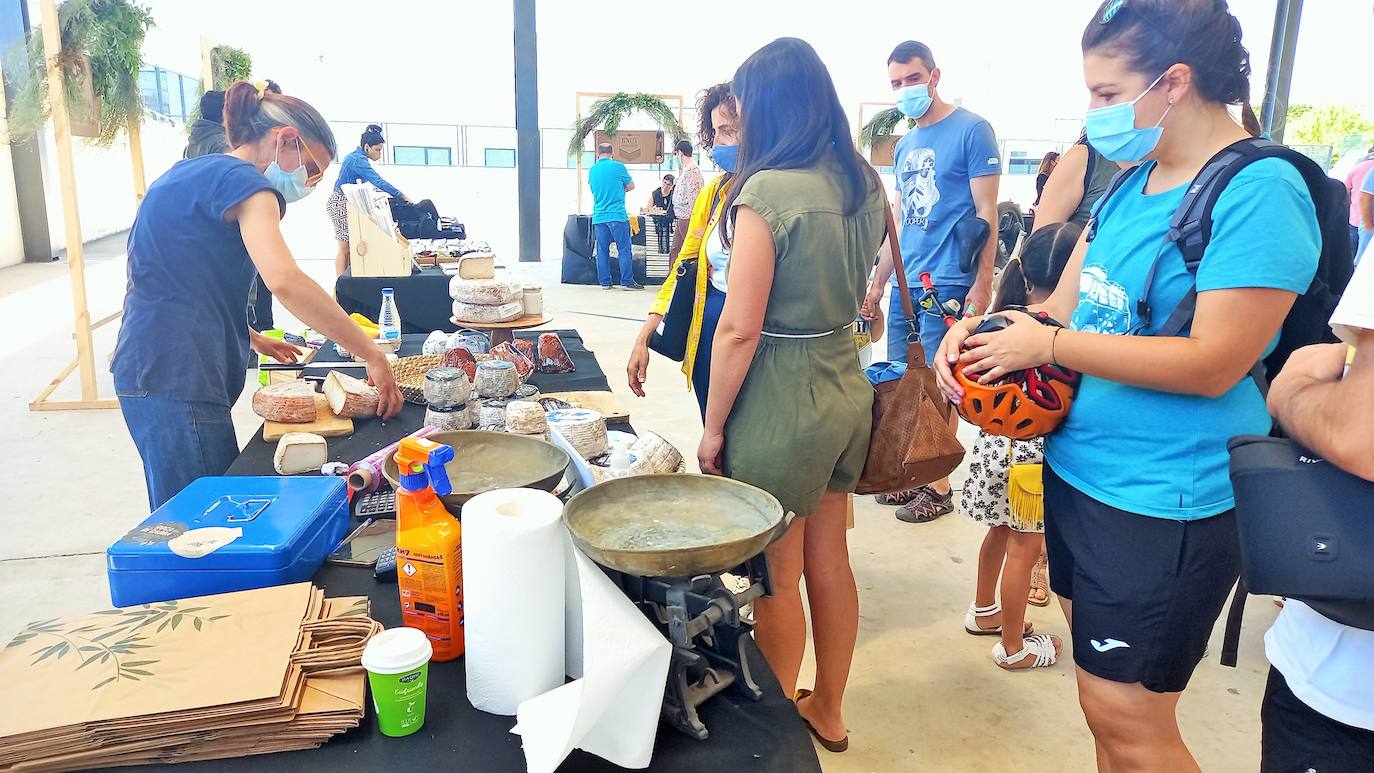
x=719, y=132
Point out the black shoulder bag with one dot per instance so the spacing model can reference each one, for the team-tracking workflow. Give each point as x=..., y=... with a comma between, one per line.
x=670, y=339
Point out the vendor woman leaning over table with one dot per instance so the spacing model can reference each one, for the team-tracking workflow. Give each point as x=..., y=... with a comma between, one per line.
x=204, y=230
x=356, y=166
x=790, y=411
x=719, y=134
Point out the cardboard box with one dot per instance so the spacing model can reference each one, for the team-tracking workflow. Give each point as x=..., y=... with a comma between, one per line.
x=633, y=147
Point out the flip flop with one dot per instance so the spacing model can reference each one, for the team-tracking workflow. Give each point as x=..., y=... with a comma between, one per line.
x=831, y=746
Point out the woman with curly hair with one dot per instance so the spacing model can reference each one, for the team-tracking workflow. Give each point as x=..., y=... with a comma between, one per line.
x=718, y=133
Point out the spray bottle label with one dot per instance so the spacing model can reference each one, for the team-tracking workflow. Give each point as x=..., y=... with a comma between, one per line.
x=425, y=604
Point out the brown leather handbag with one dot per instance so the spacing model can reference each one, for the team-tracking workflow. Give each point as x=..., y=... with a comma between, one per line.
x=914, y=440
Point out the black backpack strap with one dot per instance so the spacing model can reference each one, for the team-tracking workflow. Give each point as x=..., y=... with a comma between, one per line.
x=1230, y=640
x=1117, y=181
x=1191, y=227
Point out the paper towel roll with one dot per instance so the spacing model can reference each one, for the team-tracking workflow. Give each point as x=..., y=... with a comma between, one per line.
x=513, y=598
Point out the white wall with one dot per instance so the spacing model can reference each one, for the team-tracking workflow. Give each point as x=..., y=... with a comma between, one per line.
x=104, y=180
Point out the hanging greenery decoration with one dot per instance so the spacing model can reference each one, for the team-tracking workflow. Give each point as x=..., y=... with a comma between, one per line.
x=882, y=125
x=229, y=65
x=607, y=114
x=102, y=42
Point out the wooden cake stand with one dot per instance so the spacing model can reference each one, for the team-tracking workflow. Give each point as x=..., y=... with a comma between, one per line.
x=503, y=332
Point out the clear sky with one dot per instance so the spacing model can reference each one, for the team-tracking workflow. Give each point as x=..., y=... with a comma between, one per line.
x=450, y=61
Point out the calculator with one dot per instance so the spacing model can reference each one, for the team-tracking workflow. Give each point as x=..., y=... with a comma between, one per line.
x=378, y=504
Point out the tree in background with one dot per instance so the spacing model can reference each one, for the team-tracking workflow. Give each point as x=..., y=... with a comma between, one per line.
x=1338, y=126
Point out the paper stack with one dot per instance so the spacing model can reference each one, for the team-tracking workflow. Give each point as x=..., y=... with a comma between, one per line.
x=252, y=672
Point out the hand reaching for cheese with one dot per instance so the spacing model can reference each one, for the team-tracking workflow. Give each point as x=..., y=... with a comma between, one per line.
x=389, y=400
x=278, y=350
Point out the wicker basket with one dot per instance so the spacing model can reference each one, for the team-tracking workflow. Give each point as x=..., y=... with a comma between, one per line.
x=410, y=375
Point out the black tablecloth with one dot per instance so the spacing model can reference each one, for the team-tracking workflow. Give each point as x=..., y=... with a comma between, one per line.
x=745, y=736
x=422, y=298
x=372, y=434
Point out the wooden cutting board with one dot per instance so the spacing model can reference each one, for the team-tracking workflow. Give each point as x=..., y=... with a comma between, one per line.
x=604, y=403
x=326, y=424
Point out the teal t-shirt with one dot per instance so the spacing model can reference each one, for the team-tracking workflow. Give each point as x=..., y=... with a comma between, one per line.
x=1157, y=453
x=608, y=179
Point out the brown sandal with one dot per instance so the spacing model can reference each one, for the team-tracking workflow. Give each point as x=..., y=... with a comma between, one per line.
x=1040, y=587
x=831, y=746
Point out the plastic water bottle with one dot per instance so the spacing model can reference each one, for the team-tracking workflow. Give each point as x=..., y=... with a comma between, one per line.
x=620, y=461
x=390, y=317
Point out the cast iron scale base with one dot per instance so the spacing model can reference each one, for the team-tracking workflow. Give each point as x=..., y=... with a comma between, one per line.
x=701, y=618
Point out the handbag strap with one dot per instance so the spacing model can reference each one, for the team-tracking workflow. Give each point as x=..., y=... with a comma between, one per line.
x=913, y=333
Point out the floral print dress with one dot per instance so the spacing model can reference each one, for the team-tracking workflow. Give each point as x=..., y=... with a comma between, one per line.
x=985, y=497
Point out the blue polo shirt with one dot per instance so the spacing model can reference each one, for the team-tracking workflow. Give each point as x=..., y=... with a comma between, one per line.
x=608, y=179
x=184, y=335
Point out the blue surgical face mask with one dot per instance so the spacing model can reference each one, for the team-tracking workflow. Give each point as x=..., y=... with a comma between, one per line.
x=1112, y=131
x=291, y=185
x=915, y=100
x=726, y=156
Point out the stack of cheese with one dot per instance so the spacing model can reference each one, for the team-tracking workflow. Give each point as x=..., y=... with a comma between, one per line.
x=480, y=298
x=295, y=402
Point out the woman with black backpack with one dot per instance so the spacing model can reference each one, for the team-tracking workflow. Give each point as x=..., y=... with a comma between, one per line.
x=1139, y=510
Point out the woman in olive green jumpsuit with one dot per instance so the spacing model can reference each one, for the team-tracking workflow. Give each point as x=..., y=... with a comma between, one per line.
x=789, y=409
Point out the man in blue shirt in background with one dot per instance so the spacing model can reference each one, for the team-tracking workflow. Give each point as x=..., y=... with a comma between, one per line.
x=948, y=168
x=610, y=181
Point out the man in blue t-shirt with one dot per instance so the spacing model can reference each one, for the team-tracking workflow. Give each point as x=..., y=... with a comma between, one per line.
x=947, y=171
x=610, y=181
x=948, y=168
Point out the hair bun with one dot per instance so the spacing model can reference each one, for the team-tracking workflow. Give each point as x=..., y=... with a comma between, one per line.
x=372, y=127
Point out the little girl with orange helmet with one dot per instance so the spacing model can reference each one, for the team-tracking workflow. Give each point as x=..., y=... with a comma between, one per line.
x=1003, y=486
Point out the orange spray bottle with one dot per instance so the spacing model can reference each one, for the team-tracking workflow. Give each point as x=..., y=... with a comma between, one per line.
x=429, y=565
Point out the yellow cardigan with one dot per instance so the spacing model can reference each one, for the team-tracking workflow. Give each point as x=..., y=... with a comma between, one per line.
x=703, y=218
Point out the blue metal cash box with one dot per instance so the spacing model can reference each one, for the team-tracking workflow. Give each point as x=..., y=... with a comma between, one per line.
x=226, y=534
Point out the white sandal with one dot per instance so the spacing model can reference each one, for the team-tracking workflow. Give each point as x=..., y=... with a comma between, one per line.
x=975, y=612
x=1040, y=647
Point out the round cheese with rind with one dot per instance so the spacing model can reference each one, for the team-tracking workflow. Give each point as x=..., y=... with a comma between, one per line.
x=486, y=314
x=350, y=396
x=288, y=402
x=489, y=292
x=525, y=418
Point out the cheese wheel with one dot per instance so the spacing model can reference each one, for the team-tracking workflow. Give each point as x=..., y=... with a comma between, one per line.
x=584, y=429
x=349, y=396
x=300, y=452
x=496, y=378
x=288, y=402
x=477, y=266
x=492, y=413
x=654, y=455
x=485, y=314
x=525, y=418
x=490, y=292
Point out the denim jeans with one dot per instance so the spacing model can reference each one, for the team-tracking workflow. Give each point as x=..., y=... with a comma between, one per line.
x=178, y=440
x=617, y=231
x=932, y=327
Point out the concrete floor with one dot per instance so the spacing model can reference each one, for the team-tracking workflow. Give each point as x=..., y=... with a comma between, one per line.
x=924, y=696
